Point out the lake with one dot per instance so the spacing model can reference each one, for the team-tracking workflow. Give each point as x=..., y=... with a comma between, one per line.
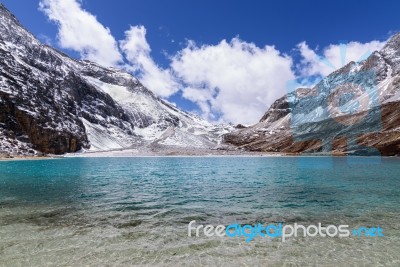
x=136, y=210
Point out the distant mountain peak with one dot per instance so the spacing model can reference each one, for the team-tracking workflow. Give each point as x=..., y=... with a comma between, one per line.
x=52, y=103
x=355, y=109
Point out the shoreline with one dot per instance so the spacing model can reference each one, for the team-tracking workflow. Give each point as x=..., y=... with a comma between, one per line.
x=18, y=157
x=129, y=153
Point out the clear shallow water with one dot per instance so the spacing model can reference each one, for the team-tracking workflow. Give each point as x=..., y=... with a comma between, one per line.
x=135, y=211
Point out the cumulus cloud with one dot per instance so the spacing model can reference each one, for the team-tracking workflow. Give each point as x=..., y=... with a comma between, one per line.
x=81, y=31
x=233, y=81
x=333, y=56
x=137, y=52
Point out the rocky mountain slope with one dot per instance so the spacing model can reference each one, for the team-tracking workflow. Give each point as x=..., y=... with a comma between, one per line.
x=52, y=103
x=354, y=110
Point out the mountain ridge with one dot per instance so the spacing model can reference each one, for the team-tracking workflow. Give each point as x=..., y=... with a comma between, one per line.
x=313, y=120
x=54, y=104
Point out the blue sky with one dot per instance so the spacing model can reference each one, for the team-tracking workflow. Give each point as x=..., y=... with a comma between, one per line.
x=183, y=35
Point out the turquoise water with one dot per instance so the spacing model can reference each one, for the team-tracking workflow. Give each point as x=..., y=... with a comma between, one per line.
x=135, y=211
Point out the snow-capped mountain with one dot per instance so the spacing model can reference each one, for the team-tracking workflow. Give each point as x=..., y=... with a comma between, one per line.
x=52, y=103
x=355, y=109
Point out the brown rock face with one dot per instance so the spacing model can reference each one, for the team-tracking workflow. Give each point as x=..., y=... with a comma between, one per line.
x=387, y=140
x=24, y=126
x=279, y=109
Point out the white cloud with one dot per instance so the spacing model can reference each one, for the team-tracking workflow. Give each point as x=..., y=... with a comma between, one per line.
x=235, y=80
x=232, y=81
x=80, y=31
x=137, y=52
x=333, y=56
